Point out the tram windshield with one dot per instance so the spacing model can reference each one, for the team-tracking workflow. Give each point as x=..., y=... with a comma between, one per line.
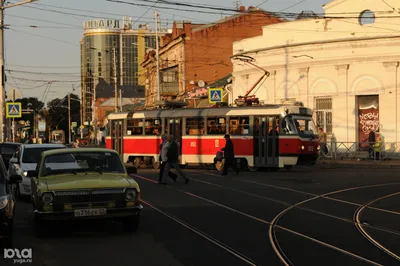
x=305, y=126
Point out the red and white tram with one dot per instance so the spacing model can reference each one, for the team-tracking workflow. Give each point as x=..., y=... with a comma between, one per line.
x=271, y=136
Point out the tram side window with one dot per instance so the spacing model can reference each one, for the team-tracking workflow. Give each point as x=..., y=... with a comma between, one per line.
x=152, y=127
x=216, y=125
x=135, y=127
x=195, y=126
x=239, y=125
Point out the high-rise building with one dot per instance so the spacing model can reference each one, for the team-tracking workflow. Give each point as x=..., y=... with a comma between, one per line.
x=111, y=57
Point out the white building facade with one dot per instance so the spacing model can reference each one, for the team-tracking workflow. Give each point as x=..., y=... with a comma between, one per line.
x=345, y=66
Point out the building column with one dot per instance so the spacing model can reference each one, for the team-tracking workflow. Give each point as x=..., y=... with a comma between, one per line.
x=304, y=85
x=391, y=100
x=341, y=109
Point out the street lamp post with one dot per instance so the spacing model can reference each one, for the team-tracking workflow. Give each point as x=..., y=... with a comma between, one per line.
x=2, y=83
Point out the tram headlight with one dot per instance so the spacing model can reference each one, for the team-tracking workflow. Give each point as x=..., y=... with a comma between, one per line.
x=302, y=147
x=318, y=148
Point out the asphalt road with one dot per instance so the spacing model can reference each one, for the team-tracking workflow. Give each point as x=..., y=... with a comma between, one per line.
x=303, y=217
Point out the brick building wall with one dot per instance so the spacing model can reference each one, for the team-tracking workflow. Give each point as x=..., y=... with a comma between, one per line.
x=209, y=48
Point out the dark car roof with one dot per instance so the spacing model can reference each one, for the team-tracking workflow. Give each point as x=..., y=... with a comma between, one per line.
x=10, y=144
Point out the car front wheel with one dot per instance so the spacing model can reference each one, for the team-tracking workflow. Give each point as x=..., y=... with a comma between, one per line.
x=131, y=223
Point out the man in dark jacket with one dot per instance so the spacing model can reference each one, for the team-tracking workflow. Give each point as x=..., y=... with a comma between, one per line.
x=173, y=159
x=229, y=155
x=163, y=158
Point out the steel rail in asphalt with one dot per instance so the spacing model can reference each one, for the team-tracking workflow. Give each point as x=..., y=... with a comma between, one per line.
x=209, y=238
x=270, y=223
x=359, y=225
x=379, y=228
x=271, y=233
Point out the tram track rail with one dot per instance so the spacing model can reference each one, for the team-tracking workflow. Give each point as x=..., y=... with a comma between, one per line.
x=274, y=224
x=360, y=226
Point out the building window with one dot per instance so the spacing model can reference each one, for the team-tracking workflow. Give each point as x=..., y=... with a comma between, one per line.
x=367, y=17
x=99, y=53
x=170, y=81
x=195, y=126
x=124, y=59
x=239, y=125
x=216, y=125
x=323, y=114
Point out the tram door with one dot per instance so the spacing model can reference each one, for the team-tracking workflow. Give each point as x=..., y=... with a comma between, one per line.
x=117, y=135
x=266, y=141
x=174, y=127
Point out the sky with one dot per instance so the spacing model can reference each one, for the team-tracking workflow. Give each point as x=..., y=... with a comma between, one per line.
x=42, y=38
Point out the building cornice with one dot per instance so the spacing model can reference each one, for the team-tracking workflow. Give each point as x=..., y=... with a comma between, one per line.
x=314, y=43
x=338, y=64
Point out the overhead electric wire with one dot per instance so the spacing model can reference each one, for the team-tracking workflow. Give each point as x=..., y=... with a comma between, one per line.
x=45, y=37
x=30, y=66
x=162, y=7
x=89, y=11
x=41, y=73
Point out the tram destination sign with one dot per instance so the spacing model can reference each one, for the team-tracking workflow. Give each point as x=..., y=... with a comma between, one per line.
x=101, y=24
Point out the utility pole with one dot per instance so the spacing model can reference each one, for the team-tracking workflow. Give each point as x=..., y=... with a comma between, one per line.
x=157, y=58
x=115, y=80
x=69, y=117
x=2, y=83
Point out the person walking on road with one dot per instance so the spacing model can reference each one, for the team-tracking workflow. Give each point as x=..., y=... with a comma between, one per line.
x=173, y=159
x=163, y=158
x=229, y=155
x=322, y=141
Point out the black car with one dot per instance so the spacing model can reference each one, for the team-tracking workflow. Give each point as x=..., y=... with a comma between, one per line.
x=7, y=205
x=7, y=150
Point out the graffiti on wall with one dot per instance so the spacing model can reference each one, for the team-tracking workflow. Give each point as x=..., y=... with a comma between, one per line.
x=368, y=120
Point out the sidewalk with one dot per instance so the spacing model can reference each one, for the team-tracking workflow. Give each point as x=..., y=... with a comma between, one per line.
x=362, y=164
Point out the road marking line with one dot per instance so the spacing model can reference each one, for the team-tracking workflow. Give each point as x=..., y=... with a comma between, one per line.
x=361, y=229
x=270, y=223
x=204, y=235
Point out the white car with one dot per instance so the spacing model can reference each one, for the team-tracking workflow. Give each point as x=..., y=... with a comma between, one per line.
x=25, y=159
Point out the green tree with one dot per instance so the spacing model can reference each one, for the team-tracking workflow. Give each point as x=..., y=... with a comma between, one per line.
x=57, y=113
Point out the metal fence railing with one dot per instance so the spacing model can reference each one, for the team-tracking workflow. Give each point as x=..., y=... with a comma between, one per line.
x=361, y=151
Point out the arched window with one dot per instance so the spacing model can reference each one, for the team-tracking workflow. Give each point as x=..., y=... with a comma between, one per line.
x=367, y=17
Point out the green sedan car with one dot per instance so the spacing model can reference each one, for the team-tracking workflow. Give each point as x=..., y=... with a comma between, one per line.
x=86, y=183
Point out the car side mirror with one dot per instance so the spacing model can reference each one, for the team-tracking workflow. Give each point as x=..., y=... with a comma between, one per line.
x=14, y=160
x=131, y=170
x=15, y=179
x=31, y=173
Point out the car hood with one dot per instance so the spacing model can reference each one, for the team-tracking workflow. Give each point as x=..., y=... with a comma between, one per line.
x=87, y=181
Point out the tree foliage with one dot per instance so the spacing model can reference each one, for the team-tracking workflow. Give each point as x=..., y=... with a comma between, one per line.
x=57, y=112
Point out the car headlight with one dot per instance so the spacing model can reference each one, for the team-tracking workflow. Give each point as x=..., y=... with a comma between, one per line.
x=25, y=173
x=3, y=202
x=47, y=198
x=130, y=194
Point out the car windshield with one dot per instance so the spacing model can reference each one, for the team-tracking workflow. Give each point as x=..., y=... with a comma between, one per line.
x=9, y=149
x=305, y=126
x=77, y=162
x=32, y=155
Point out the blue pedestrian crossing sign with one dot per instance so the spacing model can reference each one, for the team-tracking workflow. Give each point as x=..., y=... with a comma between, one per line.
x=13, y=110
x=215, y=95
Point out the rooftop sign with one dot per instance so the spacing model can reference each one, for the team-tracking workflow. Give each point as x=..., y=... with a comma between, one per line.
x=101, y=24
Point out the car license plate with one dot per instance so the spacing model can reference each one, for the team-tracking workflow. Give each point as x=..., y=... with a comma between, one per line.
x=90, y=212
x=310, y=148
